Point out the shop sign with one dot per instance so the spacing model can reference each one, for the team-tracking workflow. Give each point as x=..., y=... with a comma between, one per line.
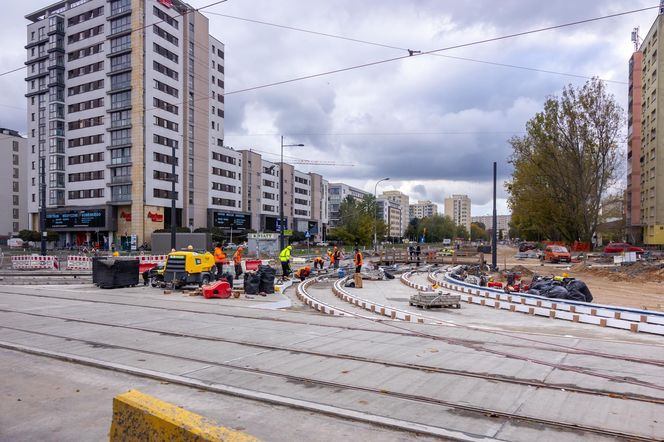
x=125, y=216
x=76, y=218
x=156, y=217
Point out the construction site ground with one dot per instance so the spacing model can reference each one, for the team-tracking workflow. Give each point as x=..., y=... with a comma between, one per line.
x=638, y=285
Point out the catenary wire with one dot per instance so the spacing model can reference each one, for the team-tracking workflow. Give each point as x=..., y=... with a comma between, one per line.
x=447, y=48
x=372, y=43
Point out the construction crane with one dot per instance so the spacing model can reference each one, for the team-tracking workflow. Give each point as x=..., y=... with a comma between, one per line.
x=319, y=163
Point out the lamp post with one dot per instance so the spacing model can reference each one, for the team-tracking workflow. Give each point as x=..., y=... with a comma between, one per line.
x=375, y=212
x=281, y=192
x=173, y=201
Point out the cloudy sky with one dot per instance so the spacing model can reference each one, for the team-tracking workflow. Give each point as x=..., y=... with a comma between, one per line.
x=432, y=123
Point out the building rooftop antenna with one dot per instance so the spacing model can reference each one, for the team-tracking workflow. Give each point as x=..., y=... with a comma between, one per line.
x=636, y=39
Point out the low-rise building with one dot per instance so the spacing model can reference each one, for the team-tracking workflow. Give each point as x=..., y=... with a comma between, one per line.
x=422, y=209
x=13, y=174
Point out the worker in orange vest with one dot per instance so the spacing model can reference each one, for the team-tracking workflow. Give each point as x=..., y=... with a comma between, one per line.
x=358, y=261
x=330, y=255
x=303, y=273
x=237, y=259
x=337, y=257
x=219, y=259
x=318, y=263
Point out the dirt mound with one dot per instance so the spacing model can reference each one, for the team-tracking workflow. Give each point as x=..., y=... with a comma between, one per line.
x=524, y=271
x=638, y=272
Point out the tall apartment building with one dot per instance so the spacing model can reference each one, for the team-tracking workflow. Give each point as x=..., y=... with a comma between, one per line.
x=633, y=227
x=652, y=126
x=337, y=193
x=458, y=209
x=13, y=175
x=119, y=92
x=422, y=209
x=404, y=206
x=305, y=196
x=502, y=222
x=390, y=212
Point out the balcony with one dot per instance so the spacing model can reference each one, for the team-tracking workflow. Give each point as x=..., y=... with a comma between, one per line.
x=120, y=161
x=121, y=198
x=122, y=179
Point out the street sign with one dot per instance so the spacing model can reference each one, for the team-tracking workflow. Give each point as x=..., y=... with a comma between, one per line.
x=307, y=235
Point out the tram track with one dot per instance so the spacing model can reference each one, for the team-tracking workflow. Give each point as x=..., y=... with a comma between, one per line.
x=358, y=358
x=479, y=411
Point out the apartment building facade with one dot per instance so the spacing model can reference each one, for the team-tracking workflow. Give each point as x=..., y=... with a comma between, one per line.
x=125, y=97
x=13, y=173
x=502, y=223
x=337, y=193
x=390, y=212
x=652, y=125
x=633, y=226
x=457, y=207
x=404, y=207
x=422, y=209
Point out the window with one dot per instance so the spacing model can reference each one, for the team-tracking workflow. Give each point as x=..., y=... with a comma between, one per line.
x=120, y=81
x=120, y=6
x=119, y=119
x=87, y=158
x=268, y=208
x=15, y=172
x=301, y=180
x=15, y=186
x=165, y=194
x=163, y=176
x=165, y=17
x=15, y=213
x=165, y=35
x=223, y=172
x=121, y=156
x=121, y=193
x=165, y=141
x=85, y=87
x=165, y=52
x=86, y=193
x=268, y=196
x=301, y=191
x=166, y=159
x=165, y=70
x=73, y=38
x=120, y=43
x=162, y=122
x=85, y=16
x=86, y=176
x=15, y=160
x=90, y=50
x=88, y=69
x=15, y=200
x=121, y=24
x=86, y=141
x=15, y=146
x=223, y=202
x=224, y=158
x=120, y=100
x=87, y=122
x=166, y=88
x=161, y=104
x=120, y=62
x=301, y=202
x=223, y=187
x=120, y=137
x=85, y=105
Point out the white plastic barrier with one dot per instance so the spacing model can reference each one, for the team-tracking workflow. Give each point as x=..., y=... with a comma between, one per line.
x=75, y=262
x=35, y=262
x=152, y=259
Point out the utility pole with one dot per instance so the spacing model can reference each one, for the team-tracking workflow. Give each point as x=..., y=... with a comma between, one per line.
x=173, y=199
x=494, y=226
x=281, y=193
x=42, y=197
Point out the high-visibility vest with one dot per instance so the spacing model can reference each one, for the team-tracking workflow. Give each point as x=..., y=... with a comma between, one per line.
x=285, y=254
x=237, y=256
x=331, y=255
x=219, y=255
x=358, y=259
x=318, y=259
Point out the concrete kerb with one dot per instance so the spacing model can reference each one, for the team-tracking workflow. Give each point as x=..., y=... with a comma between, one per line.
x=138, y=416
x=316, y=304
x=382, y=310
x=558, y=309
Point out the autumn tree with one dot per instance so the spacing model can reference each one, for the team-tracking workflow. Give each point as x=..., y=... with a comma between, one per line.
x=565, y=164
x=357, y=219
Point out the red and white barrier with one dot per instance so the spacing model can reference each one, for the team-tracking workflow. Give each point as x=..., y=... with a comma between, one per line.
x=152, y=259
x=76, y=262
x=35, y=262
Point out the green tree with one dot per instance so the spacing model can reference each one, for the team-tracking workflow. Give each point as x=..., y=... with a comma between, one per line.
x=478, y=232
x=461, y=232
x=565, y=163
x=357, y=220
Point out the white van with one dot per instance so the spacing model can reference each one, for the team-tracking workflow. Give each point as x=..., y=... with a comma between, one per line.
x=447, y=242
x=15, y=243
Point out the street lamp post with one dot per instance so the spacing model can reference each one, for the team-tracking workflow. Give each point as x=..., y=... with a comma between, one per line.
x=173, y=201
x=375, y=212
x=281, y=192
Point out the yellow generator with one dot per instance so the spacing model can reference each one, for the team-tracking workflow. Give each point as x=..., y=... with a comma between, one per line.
x=189, y=268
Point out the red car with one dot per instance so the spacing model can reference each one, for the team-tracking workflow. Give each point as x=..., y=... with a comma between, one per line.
x=619, y=247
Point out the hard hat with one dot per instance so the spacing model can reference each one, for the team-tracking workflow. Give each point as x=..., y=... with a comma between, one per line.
x=116, y=253
x=190, y=247
x=173, y=250
x=565, y=275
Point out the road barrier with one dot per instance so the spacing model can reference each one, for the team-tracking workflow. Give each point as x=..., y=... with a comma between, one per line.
x=77, y=262
x=35, y=262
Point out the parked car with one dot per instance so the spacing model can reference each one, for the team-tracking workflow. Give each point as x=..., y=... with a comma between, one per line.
x=557, y=254
x=525, y=246
x=15, y=243
x=619, y=247
x=322, y=244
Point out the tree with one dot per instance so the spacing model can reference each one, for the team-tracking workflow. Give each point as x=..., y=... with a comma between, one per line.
x=357, y=220
x=565, y=163
x=461, y=232
x=478, y=232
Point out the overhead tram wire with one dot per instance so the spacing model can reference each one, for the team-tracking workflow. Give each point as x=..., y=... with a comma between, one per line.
x=373, y=43
x=181, y=14
x=447, y=48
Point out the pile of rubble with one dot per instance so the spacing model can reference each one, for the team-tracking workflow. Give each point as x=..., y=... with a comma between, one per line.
x=639, y=271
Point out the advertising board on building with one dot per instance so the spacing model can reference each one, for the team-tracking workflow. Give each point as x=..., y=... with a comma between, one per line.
x=234, y=220
x=95, y=218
